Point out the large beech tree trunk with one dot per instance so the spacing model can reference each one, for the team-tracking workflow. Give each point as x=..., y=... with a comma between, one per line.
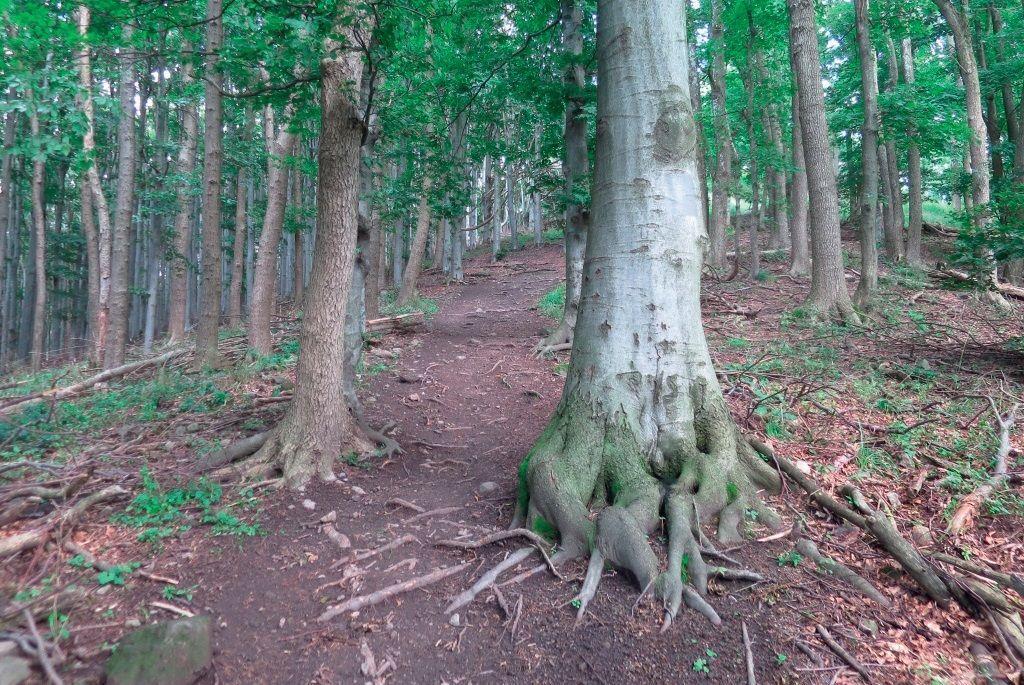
x=828, y=282
x=895, y=242
x=213, y=164
x=182, y=232
x=868, y=285
x=575, y=168
x=407, y=293
x=317, y=425
x=124, y=208
x=642, y=422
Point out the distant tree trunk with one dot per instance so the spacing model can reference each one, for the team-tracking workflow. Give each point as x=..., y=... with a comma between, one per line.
x=895, y=241
x=213, y=164
x=298, y=273
x=536, y=218
x=317, y=424
x=182, y=234
x=512, y=206
x=754, y=226
x=6, y=166
x=800, y=261
x=264, y=285
x=978, y=152
x=419, y=243
x=828, y=281
x=39, y=253
x=702, y=151
x=156, y=227
x=496, y=195
x=375, y=248
x=916, y=199
x=241, y=228
x=575, y=170
x=723, y=141
x=868, y=285
x=120, y=248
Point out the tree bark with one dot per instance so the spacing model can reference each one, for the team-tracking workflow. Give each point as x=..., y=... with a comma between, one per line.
x=182, y=233
x=298, y=272
x=419, y=242
x=124, y=208
x=828, y=282
x=264, y=286
x=641, y=409
x=6, y=167
x=754, y=225
x=916, y=197
x=868, y=286
x=156, y=227
x=895, y=242
x=800, y=262
x=241, y=229
x=575, y=169
x=317, y=424
x=213, y=164
x=38, y=349
x=723, y=140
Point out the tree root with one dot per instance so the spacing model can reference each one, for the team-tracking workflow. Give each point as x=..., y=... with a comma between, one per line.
x=842, y=653
x=357, y=603
x=829, y=565
x=368, y=553
x=969, y=505
x=557, y=340
x=540, y=543
x=749, y=655
x=487, y=580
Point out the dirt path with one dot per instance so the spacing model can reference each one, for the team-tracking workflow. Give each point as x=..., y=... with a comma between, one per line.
x=469, y=400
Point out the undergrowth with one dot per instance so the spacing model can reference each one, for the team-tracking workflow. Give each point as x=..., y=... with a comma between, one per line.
x=552, y=303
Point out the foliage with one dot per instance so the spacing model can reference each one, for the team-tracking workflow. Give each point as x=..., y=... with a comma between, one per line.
x=552, y=304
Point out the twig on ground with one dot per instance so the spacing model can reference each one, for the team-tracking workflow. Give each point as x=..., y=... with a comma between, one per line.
x=751, y=677
x=44, y=658
x=842, y=653
x=970, y=504
x=356, y=603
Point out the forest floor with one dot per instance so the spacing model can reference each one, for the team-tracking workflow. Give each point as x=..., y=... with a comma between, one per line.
x=900, y=407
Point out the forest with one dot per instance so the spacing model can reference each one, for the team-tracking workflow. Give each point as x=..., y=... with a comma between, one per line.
x=448, y=341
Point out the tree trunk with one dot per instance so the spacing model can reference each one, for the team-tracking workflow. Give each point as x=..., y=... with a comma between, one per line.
x=754, y=226
x=496, y=195
x=6, y=196
x=317, y=425
x=575, y=169
x=800, y=262
x=828, y=282
x=642, y=424
x=213, y=164
x=916, y=198
x=298, y=271
x=156, y=228
x=723, y=140
x=895, y=241
x=38, y=349
x=419, y=243
x=241, y=229
x=120, y=244
x=868, y=285
x=264, y=285
x=373, y=263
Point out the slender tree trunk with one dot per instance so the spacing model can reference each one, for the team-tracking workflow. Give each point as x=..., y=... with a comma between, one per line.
x=868, y=285
x=916, y=198
x=496, y=195
x=419, y=243
x=264, y=294
x=618, y=445
x=800, y=262
x=181, y=238
x=373, y=263
x=156, y=228
x=723, y=140
x=120, y=244
x=241, y=230
x=213, y=164
x=317, y=425
x=896, y=245
x=828, y=281
x=6, y=166
x=38, y=349
x=298, y=273
x=754, y=226
x=511, y=206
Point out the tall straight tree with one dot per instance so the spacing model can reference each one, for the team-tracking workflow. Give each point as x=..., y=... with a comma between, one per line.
x=829, y=294
x=124, y=207
x=38, y=186
x=317, y=425
x=800, y=255
x=213, y=164
x=869, y=157
x=575, y=169
x=182, y=232
x=723, y=141
x=642, y=425
x=916, y=196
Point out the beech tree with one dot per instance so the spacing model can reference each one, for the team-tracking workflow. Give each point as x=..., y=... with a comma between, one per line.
x=642, y=406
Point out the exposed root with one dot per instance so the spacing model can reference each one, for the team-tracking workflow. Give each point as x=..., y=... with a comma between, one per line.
x=537, y=540
x=357, y=603
x=594, y=570
x=557, y=340
x=829, y=565
x=852, y=662
x=487, y=580
x=749, y=655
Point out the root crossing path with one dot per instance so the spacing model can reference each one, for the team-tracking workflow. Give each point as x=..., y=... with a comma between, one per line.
x=469, y=399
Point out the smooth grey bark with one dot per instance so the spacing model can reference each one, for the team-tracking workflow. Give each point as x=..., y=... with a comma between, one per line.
x=156, y=226
x=418, y=247
x=723, y=140
x=916, y=195
x=828, y=281
x=642, y=424
x=495, y=194
x=207, y=353
x=754, y=225
x=120, y=242
x=6, y=167
x=895, y=242
x=178, y=259
x=868, y=286
x=38, y=183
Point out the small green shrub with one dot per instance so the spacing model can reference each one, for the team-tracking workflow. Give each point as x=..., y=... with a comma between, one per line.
x=552, y=304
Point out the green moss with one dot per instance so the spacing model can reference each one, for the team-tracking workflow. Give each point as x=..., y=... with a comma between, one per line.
x=684, y=572
x=523, y=491
x=732, y=492
x=542, y=527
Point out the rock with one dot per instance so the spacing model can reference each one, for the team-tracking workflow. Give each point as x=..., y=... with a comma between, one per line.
x=329, y=517
x=356, y=490
x=8, y=648
x=487, y=487
x=453, y=620
x=171, y=653
x=132, y=623
x=921, y=535
x=415, y=397
x=14, y=670
x=308, y=504
x=894, y=500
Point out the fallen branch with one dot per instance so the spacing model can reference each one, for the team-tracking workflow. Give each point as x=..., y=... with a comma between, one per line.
x=749, y=652
x=964, y=277
x=433, y=512
x=842, y=653
x=101, y=565
x=810, y=550
x=367, y=553
x=487, y=580
x=233, y=452
x=19, y=542
x=394, y=323
x=44, y=658
x=969, y=505
x=66, y=392
x=357, y=603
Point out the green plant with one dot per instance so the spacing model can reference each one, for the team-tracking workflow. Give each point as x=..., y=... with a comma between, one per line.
x=58, y=625
x=171, y=592
x=701, y=666
x=790, y=558
x=552, y=303
x=737, y=343
x=389, y=305
x=116, y=575
x=780, y=659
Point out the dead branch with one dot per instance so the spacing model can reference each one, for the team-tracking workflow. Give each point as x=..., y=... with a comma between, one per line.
x=357, y=603
x=64, y=393
x=969, y=505
x=749, y=652
x=433, y=512
x=44, y=658
x=842, y=653
x=394, y=323
x=367, y=553
x=19, y=542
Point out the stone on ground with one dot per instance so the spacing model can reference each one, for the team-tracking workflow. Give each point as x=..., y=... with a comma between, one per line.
x=170, y=653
